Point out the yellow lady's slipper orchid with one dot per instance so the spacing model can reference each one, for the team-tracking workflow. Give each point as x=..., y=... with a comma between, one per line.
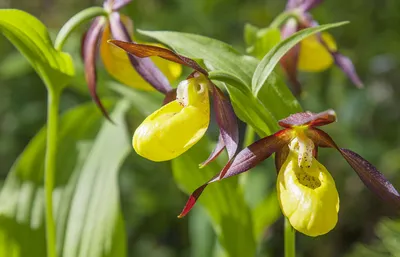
x=313, y=56
x=307, y=192
x=178, y=125
x=314, y=53
x=175, y=127
x=117, y=64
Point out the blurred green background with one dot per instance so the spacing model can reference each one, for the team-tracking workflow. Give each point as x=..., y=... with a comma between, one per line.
x=368, y=121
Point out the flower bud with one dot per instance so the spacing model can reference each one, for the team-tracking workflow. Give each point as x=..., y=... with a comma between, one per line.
x=178, y=125
x=308, y=196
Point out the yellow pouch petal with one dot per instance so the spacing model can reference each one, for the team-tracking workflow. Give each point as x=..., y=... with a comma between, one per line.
x=175, y=127
x=308, y=197
x=117, y=64
x=313, y=57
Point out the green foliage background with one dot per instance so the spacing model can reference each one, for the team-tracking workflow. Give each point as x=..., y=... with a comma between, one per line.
x=368, y=120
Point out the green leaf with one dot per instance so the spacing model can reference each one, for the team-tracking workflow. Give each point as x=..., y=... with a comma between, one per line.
x=215, y=54
x=385, y=245
x=250, y=34
x=201, y=235
x=271, y=59
x=265, y=214
x=261, y=41
x=86, y=195
x=278, y=98
x=32, y=39
x=223, y=201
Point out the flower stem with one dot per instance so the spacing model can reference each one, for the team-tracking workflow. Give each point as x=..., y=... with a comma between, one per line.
x=75, y=22
x=283, y=17
x=290, y=239
x=50, y=167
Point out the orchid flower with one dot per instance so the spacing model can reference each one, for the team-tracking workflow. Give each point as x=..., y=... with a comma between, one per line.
x=315, y=53
x=306, y=190
x=181, y=123
x=144, y=74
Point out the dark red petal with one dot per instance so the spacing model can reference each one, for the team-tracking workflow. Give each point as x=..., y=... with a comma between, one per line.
x=344, y=63
x=90, y=46
x=369, y=175
x=141, y=50
x=289, y=65
x=245, y=160
x=290, y=59
x=256, y=153
x=309, y=4
x=192, y=200
x=372, y=177
x=280, y=157
x=227, y=121
x=144, y=66
x=309, y=118
x=216, y=152
x=347, y=66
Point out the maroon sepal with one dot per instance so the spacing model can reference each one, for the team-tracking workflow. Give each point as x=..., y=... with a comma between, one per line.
x=192, y=201
x=344, y=63
x=290, y=59
x=142, y=51
x=309, y=118
x=309, y=4
x=369, y=175
x=144, y=66
x=90, y=49
x=219, y=147
x=347, y=66
x=245, y=160
x=226, y=120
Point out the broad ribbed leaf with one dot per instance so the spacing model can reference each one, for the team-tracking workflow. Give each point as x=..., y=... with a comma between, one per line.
x=270, y=60
x=31, y=38
x=215, y=54
x=223, y=202
x=86, y=195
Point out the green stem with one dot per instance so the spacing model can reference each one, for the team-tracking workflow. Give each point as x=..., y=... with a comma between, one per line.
x=75, y=22
x=283, y=17
x=50, y=167
x=290, y=239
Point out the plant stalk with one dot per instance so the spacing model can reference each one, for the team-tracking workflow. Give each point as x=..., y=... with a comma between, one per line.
x=290, y=239
x=75, y=22
x=50, y=167
x=283, y=17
